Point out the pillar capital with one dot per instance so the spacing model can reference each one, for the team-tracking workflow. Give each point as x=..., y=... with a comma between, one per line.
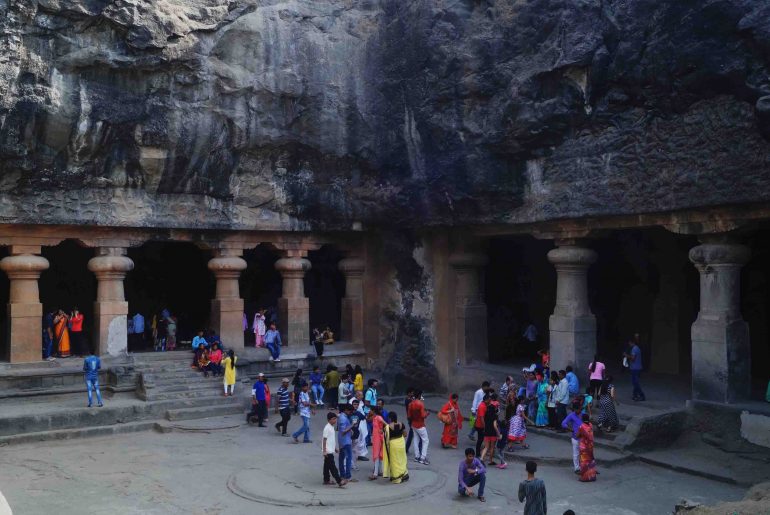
x=107, y=266
x=292, y=266
x=572, y=255
x=351, y=266
x=227, y=267
x=708, y=254
x=23, y=266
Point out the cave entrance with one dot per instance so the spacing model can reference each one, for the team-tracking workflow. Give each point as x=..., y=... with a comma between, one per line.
x=519, y=289
x=325, y=287
x=755, y=306
x=172, y=276
x=260, y=286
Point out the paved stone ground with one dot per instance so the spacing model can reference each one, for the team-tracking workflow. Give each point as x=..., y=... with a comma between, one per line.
x=219, y=465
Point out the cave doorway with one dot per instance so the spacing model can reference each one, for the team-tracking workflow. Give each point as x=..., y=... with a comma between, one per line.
x=5, y=294
x=519, y=288
x=172, y=276
x=325, y=287
x=67, y=284
x=261, y=286
x=755, y=306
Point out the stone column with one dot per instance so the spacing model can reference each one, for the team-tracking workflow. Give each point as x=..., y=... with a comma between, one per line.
x=470, y=328
x=25, y=312
x=227, y=306
x=572, y=325
x=352, y=329
x=721, y=350
x=293, y=306
x=110, y=266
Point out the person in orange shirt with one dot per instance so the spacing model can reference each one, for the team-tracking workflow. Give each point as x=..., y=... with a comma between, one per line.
x=417, y=414
x=76, y=332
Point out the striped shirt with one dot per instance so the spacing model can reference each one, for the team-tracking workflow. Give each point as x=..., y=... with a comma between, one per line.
x=534, y=493
x=283, y=397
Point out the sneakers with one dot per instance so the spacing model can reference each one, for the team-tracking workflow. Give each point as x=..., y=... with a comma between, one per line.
x=277, y=360
x=270, y=358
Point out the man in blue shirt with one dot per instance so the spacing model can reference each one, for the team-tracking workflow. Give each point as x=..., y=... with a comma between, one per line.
x=634, y=357
x=573, y=382
x=197, y=341
x=573, y=422
x=258, y=402
x=273, y=343
x=345, y=429
x=91, y=366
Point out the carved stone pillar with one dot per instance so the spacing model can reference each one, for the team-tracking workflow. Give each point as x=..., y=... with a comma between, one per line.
x=470, y=334
x=293, y=306
x=110, y=266
x=352, y=328
x=227, y=306
x=25, y=312
x=572, y=325
x=721, y=349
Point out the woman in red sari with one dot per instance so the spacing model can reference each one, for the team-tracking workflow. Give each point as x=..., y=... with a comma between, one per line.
x=587, y=462
x=62, y=334
x=452, y=419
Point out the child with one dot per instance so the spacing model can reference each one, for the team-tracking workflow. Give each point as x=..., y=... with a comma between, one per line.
x=315, y=385
x=502, y=441
x=517, y=432
x=204, y=363
x=329, y=448
x=229, y=367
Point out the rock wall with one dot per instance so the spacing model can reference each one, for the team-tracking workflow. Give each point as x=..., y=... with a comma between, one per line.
x=313, y=114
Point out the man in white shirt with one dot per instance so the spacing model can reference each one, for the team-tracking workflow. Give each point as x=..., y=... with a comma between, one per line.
x=561, y=398
x=477, y=398
x=329, y=448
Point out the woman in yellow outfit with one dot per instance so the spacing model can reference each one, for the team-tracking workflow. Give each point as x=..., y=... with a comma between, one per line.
x=229, y=365
x=358, y=380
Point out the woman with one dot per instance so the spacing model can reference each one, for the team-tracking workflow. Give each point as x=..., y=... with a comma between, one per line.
x=259, y=328
x=452, y=419
x=229, y=365
x=541, y=419
x=608, y=416
x=378, y=436
x=517, y=432
x=553, y=422
x=491, y=433
x=216, y=360
x=61, y=334
x=394, y=455
x=358, y=380
x=204, y=362
x=296, y=382
x=587, y=463
x=596, y=369
x=171, y=333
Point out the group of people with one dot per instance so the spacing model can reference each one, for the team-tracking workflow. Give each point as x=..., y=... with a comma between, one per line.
x=63, y=334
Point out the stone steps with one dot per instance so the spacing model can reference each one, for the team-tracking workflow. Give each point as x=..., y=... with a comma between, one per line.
x=69, y=434
x=205, y=412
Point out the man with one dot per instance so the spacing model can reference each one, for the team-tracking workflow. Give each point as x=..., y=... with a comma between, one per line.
x=478, y=426
x=477, y=398
x=258, y=401
x=358, y=419
x=331, y=384
x=285, y=402
x=273, y=343
x=417, y=414
x=634, y=357
x=345, y=429
x=370, y=400
x=305, y=410
x=91, y=366
x=138, y=320
x=573, y=423
x=504, y=390
x=76, y=332
x=572, y=382
x=48, y=336
x=329, y=448
x=471, y=473
x=533, y=491
x=384, y=412
x=561, y=398
x=530, y=335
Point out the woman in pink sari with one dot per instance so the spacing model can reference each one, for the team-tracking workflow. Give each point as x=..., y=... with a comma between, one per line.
x=378, y=438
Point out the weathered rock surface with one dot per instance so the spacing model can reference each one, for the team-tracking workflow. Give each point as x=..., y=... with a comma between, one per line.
x=304, y=114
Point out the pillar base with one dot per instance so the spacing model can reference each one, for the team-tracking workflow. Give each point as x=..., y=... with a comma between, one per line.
x=111, y=327
x=294, y=319
x=721, y=361
x=573, y=342
x=227, y=321
x=25, y=334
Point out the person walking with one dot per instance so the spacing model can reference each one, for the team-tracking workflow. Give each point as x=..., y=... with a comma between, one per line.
x=228, y=365
x=634, y=357
x=273, y=343
x=452, y=419
x=573, y=423
x=305, y=411
x=358, y=419
x=395, y=458
x=596, y=370
x=329, y=449
x=418, y=414
x=91, y=366
x=608, y=416
x=532, y=492
x=543, y=388
x=259, y=400
x=377, y=437
x=478, y=397
x=345, y=431
x=370, y=401
x=471, y=473
x=587, y=463
x=296, y=383
x=517, y=428
x=481, y=410
x=573, y=382
x=283, y=406
x=491, y=433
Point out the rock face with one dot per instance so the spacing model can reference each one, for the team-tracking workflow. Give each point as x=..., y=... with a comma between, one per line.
x=305, y=114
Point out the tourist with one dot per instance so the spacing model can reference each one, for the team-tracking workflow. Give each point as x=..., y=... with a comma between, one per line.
x=503, y=425
x=408, y=398
x=171, y=332
x=327, y=336
x=358, y=378
x=260, y=329
x=349, y=371
x=331, y=383
x=530, y=336
x=634, y=357
x=608, y=416
x=586, y=446
x=532, y=490
x=160, y=331
x=452, y=419
x=329, y=448
x=204, y=362
x=229, y=368
x=370, y=400
x=418, y=414
x=545, y=361
x=377, y=437
x=297, y=382
x=216, y=360
x=273, y=343
x=345, y=432
x=76, y=332
x=477, y=398
x=553, y=419
x=543, y=389
x=198, y=343
x=345, y=390
x=572, y=382
x=267, y=399
x=479, y=422
x=91, y=366
x=491, y=432
x=259, y=401
x=517, y=430
x=283, y=406
x=61, y=334
x=358, y=419
x=531, y=393
x=383, y=410
x=596, y=369
x=139, y=329
x=315, y=385
x=573, y=422
x=587, y=402
x=394, y=458
x=505, y=388
x=48, y=336
x=561, y=396
x=471, y=473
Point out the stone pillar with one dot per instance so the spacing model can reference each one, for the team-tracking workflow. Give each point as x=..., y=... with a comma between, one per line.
x=293, y=306
x=352, y=329
x=572, y=325
x=227, y=306
x=470, y=328
x=721, y=350
x=110, y=266
x=25, y=312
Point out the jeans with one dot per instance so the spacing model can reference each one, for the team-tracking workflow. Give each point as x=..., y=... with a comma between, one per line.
x=346, y=461
x=561, y=414
x=638, y=393
x=47, y=345
x=369, y=435
x=318, y=393
x=479, y=439
x=304, y=429
x=471, y=481
x=93, y=384
x=274, y=348
x=284, y=423
x=421, y=443
x=330, y=468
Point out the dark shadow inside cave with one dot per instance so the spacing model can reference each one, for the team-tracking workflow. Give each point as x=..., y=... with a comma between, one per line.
x=260, y=285
x=325, y=287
